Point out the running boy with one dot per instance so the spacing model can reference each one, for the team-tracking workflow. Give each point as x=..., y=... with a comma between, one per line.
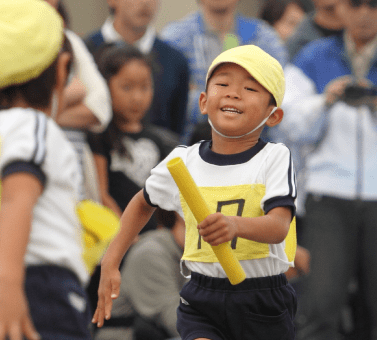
x=249, y=186
x=42, y=272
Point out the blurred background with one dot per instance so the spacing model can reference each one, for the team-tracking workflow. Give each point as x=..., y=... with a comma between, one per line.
x=87, y=15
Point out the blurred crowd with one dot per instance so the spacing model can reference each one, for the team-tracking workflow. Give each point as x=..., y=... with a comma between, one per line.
x=132, y=96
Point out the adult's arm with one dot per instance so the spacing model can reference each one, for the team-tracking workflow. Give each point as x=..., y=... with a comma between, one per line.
x=305, y=111
x=97, y=100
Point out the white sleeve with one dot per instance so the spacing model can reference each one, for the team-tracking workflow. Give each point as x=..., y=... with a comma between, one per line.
x=23, y=142
x=304, y=109
x=98, y=98
x=280, y=179
x=160, y=188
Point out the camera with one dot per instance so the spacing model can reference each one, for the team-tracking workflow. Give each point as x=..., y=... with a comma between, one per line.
x=356, y=95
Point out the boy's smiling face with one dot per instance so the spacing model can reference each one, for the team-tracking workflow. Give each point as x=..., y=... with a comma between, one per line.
x=235, y=102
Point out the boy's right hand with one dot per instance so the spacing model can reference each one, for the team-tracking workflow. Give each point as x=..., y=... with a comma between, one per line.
x=15, y=319
x=108, y=290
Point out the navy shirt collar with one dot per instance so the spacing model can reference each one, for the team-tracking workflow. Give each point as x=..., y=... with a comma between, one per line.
x=214, y=158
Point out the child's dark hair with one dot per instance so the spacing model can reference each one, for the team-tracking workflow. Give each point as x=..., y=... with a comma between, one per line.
x=36, y=92
x=110, y=59
x=273, y=10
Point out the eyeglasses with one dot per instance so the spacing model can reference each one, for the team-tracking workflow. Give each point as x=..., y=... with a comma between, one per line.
x=358, y=3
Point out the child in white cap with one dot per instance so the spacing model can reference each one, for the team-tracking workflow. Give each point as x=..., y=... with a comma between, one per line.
x=42, y=272
x=249, y=186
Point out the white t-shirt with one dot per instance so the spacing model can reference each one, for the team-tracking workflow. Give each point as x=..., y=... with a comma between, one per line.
x=32, y=142
x=247, y=184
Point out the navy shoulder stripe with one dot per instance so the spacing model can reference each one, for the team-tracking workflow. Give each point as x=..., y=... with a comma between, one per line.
x=291, y=178
x=39, y=153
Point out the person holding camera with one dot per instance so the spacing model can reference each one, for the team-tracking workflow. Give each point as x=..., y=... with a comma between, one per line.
x=330, y=105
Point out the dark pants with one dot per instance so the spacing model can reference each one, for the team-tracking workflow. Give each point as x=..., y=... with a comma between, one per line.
x=342, y=237
x=58, y=303
x=256, y=309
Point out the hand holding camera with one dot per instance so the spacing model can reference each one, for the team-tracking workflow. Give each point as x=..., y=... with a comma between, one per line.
x=354, y=94
x=357, y=95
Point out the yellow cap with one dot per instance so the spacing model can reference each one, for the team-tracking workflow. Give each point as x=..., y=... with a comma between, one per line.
x=31, y=34
x=261, y=66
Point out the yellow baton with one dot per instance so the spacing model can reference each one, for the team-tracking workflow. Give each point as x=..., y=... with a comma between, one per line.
x=200, y=210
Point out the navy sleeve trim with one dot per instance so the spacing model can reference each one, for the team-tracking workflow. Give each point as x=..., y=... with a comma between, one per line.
x=146, y=196
x=22, y=166
x=280, y=201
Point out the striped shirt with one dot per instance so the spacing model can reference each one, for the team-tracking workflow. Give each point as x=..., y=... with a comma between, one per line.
x=33, y=143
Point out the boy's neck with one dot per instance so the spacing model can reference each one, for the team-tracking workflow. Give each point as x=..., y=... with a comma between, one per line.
x=226, y=146
x=129, y=34
x=21, y=103
x=219, y=22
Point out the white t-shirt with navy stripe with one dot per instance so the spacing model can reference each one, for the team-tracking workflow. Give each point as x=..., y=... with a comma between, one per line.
x=247, y=184
x=32, y=142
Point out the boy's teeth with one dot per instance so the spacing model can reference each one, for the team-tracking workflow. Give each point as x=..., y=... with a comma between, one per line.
x=230, y=109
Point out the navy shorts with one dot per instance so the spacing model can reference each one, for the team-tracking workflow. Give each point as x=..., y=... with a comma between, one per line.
x=256, y=309
x=58, y=303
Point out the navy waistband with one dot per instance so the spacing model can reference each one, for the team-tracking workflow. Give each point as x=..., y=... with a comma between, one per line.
x=51, y=270
x=248, y=284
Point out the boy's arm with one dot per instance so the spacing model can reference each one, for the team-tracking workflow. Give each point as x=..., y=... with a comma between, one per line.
x=20, y=192
x=135, y=216
x=271, y=228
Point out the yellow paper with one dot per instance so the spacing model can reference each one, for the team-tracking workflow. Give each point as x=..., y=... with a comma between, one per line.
x=100, y=225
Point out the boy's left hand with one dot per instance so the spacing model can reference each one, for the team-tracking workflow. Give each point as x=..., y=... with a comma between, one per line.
x=218, y=228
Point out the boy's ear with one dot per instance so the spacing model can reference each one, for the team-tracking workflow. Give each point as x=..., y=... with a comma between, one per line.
x=203, y=103
x=275, y=118
x=111, y=3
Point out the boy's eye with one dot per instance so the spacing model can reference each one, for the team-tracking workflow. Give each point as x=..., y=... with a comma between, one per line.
x=221, y=84
x=249, y=89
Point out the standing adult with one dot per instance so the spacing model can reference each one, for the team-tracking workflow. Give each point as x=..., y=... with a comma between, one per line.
x=203, y=35
x=322, y=22
x=131, y=24
x=341, y=207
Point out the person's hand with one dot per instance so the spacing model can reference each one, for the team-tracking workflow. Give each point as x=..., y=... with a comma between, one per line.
x=15, y=320
x=217, y=228
x=302, y=264
x=302, y=260
x=335, y=89
x=74, y=93
x=108, y=290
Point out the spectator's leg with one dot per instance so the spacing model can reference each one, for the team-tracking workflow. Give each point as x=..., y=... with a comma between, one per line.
x=330, y=235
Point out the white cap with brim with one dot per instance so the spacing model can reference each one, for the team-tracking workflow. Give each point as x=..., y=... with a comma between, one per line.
x=262, y=67
x=31, y=34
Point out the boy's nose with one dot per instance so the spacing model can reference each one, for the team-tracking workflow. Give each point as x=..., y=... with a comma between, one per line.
x=139, y=95
x=234, y=94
